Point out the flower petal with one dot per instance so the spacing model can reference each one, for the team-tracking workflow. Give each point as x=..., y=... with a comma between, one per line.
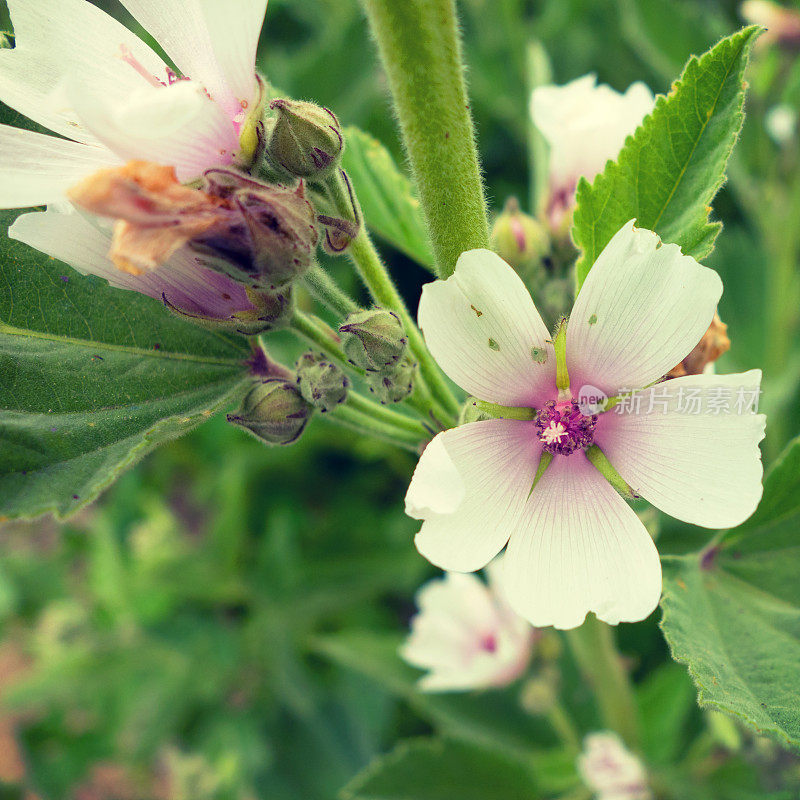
x=496, y=461
x=481, y=326
x=641, y=310
x=175, y=126
x=57, y=38
x=73, y=239
x=704, y=468
x=36, y=169
x=580, y=547
x=210, y=41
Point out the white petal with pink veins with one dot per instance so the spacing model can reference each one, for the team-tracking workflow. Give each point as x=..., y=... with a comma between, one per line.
x=484, y=331
x=641, y=310
x=496, y=461
x=84, y=245
x=59, y=38
x=212, y=42
x=704, y=467
x=36, y=169
x=176, y=126
x=580, y=547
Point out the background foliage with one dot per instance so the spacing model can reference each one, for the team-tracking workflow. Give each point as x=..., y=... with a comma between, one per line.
x=223, y=622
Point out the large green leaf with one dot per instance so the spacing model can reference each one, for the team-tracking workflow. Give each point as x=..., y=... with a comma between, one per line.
x=92, y=378
x=669, y=171
x=732, y=612
x=435, y=769
x=387, y=199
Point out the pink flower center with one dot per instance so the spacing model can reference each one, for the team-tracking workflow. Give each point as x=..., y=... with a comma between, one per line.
x=563, y=428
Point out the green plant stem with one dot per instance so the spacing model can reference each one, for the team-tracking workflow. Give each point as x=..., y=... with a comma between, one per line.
x=420, y=47
x=320, y=335
x=564, y=727
x=432, y=392
x=387, y=415
x=326, y=290
x=597, y=658
x=364, y=423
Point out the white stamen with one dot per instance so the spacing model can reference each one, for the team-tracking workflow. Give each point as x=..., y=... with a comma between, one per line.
x=553, y=433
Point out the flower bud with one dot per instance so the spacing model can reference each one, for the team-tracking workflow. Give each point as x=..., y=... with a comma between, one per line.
x=540, y=693
x=306, y=139
x=321, y=382
x=519, y=239
x=373, y=340
x=471, y=412
x=274, y=412
x=395, y=386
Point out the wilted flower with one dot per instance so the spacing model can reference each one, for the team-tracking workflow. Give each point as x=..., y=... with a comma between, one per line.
x=610, y=770
x=466, y=635
x=78, y=72
x=537, y=479
x=585, y=125
x=714, y=343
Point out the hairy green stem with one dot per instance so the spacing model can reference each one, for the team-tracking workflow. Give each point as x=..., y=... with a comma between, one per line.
x=387, y=415
x=320, y=335
x=326, y=290
x=564, y=727
x=599, y=661
x=420, y=47
x=364, y=423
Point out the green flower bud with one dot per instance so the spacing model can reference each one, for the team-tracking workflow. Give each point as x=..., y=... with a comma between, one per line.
x=373, y=340
x=393, y=387
x=306, y=139
x=471, y=412
x=321, y=382
x=540, y=694
x=520, y=240
x=274, y=412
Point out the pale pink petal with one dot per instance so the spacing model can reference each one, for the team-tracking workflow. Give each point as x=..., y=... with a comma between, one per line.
x=642, y=308
x=496, y=461
x=36, y=169
x=73, y=239
x=579, y=548
x=213, y=42
x=175, y=126
x=484, y=331
x=437, y=486
x=705, y=467
x=59, y=38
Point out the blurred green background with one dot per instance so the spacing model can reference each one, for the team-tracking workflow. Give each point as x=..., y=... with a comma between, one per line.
x=170, y=641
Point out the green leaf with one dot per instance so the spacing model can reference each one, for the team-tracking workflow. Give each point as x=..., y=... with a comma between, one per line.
x=92, y=379
x=436, y=769
x=670, y=170
x=732, y=612
x=387, y=199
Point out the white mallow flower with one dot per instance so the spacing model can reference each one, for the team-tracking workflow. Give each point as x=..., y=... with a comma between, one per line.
x=584, y=125
x=610, y=770
x=531, y=479
x=466, y=635
x=78, y=72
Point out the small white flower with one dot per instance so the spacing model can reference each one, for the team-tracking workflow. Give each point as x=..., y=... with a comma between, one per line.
x=585, y=125
x=467, y=635
x=781, y=123
x=610, y=770
x=78, y=72
x=574, y=544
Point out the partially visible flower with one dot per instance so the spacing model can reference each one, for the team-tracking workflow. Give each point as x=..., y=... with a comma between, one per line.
x=610, y=770
x=780, y=123
x=585, y=125
x=466, y=635
x=541, y=477
x=81, y=74
x=782, y=23
x=714, y=343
